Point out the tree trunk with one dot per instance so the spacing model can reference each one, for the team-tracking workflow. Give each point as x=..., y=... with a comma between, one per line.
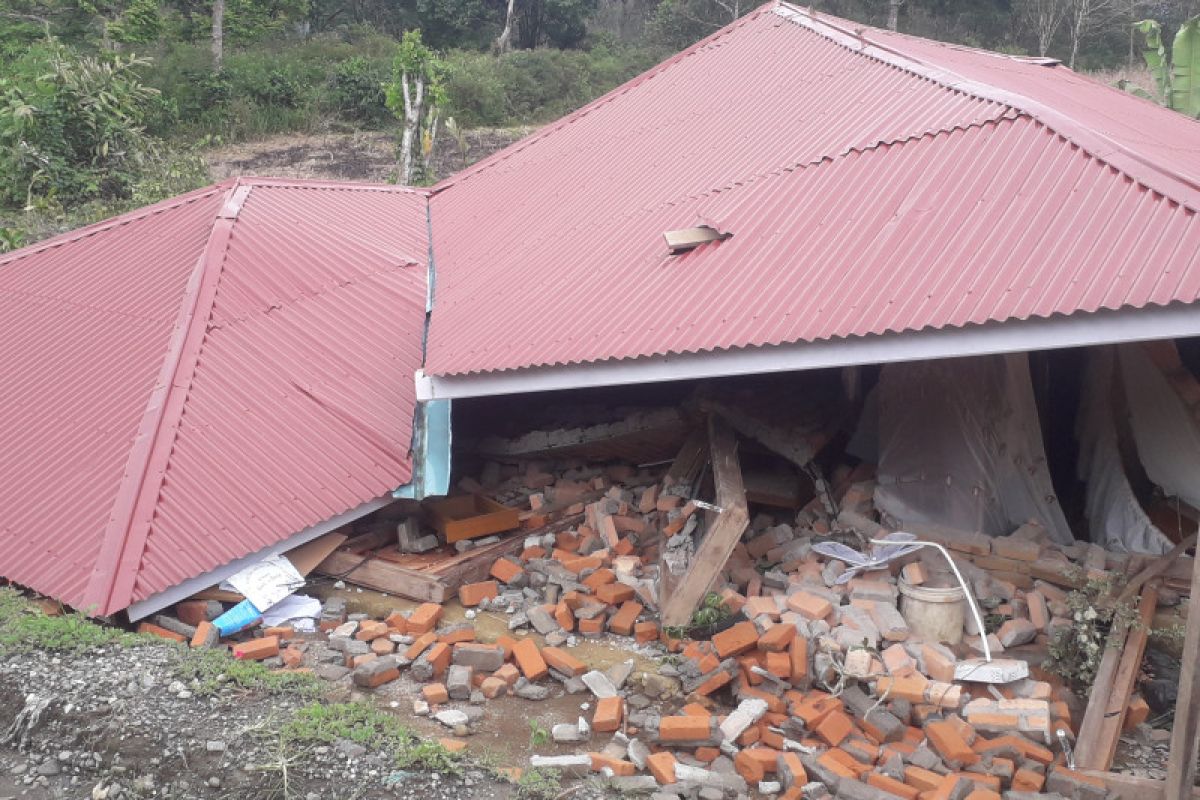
x=503, y=41
x=414, y=97
x=893, y=14
x=218, y=33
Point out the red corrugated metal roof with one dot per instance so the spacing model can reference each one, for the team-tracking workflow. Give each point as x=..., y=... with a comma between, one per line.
x=186, y=385
x=871, y=182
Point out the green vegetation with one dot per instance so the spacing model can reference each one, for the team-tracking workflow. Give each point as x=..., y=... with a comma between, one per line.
x=538, y=784
x=1177, y=77
x=1076, y=650
x=539, y=734
x=107, y=105
x=711, y=611
x=25, y=627
x=367, y=725
x=212, y=672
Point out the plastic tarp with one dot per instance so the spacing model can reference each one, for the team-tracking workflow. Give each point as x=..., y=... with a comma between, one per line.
x=1116, y=520
x=960, y=445
x=1167, y=436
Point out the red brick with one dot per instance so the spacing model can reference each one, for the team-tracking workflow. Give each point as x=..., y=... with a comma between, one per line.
x=162, y=633
x=809, y=606
x=746, y=766
x=424, y=618
x=662, y=767
x=439, y=657
x=777, y=638
x=257, y=649
x=419, y=645
x=609, y=713
x=645, y=632
x=735, y=640
x=835, y=727
x=686, y=728
x=493, y=686
x=949, y=743
x=203, y=632
x=369, y=630
x=614, y=593
x=623, y=621
x=192, y=612
x=435, y=693
x=472, y=594
x=564, y=617
x=619, y=768
x=892, y=785
x=562, y=661
x=530, y=660
x=458, y=636
x=505, y=571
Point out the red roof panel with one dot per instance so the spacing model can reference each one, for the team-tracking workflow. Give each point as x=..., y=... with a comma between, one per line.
x=908, y=204
x=262, y=387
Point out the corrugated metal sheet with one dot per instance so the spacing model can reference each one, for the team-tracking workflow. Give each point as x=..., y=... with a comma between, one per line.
x=292, y=401
x=551, y=252
x=84, y=322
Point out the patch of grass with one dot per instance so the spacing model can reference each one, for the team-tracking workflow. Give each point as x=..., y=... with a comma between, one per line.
x=214, y=671
x=371, y=727
x=24, y=626
x=538, y=784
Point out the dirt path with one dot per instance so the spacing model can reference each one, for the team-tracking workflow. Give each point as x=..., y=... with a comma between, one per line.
x=117, y=722
x=358, y=156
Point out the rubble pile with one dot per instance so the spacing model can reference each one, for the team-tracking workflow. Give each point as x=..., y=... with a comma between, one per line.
x=812, y=683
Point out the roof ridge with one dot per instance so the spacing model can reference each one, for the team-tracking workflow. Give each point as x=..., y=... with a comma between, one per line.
x=1169, y=183
x=604, y=99
x=268, y=182
x=68, y=237
x=115, y=571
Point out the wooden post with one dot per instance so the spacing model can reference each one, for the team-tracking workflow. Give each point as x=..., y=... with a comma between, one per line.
x=1123, y=683
x=717, y=545
x=1181, y=766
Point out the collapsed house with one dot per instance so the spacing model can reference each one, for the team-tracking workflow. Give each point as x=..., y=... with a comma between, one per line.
x=942, y=256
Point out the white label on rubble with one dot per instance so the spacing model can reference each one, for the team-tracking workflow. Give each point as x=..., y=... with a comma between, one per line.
x=1001, y=670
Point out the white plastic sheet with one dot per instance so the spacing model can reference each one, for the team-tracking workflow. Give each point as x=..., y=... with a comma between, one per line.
x=1116, y=520
x=1167, y=437
x=960, y=445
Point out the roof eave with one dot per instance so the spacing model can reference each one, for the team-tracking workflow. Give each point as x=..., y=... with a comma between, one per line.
x=1011, y=336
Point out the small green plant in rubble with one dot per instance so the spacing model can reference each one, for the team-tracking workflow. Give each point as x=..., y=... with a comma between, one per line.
x=1076, y=650
x=712, y=610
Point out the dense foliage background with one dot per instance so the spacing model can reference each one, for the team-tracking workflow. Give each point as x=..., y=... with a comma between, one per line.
x=105, y=104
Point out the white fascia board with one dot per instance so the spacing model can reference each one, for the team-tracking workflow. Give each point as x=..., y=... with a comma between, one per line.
x=183, y=591
x=1096, y=328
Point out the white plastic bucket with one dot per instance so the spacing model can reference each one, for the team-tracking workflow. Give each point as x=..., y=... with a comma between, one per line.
x=933, y=613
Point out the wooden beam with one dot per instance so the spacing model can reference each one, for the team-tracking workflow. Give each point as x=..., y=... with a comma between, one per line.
x=1123, y=683
x=709, y=559
x=1181, y=766
x=384, y=576
x=1158, y=567
x=1131, y=787
x=1087, y=745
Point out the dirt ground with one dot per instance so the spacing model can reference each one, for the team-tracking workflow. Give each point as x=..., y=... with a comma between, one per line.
x=119, y=723
x=358, y=156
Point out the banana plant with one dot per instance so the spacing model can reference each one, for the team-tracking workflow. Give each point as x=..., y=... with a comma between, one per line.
x=1178, y=80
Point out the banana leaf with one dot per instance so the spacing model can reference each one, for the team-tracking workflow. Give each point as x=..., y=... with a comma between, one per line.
x=1155, y=55
x=1185, y=69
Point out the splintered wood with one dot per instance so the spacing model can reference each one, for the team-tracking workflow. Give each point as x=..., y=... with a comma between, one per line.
x=683, y=595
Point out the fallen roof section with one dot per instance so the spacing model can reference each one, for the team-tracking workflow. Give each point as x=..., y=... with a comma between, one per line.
x=874, y=186
x=198, y=381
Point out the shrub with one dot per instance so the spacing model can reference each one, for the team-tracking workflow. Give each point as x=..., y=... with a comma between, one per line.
x=71, y=126
x=356, y=90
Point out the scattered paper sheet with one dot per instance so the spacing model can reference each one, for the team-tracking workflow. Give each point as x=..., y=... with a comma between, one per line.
x=296, y=608
x=266, y=583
